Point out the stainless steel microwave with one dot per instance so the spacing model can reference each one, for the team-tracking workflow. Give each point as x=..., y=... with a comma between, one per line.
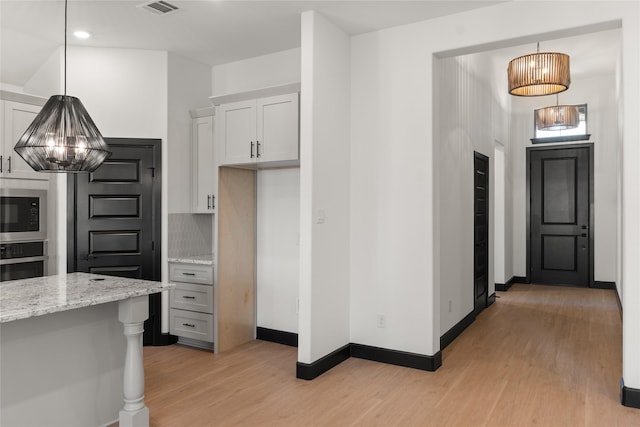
x=23, y=215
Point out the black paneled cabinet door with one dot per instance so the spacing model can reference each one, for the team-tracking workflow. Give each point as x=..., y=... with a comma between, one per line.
x=559, y=216
x=481, y=231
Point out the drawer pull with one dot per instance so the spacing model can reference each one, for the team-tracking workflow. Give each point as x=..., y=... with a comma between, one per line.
x=189, y=325
x=188, y=297
x=188, y=274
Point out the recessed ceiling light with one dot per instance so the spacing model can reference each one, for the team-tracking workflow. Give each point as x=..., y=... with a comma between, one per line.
x=81, y=34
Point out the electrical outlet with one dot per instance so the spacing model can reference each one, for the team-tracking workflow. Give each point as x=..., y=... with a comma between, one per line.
x=382, y=321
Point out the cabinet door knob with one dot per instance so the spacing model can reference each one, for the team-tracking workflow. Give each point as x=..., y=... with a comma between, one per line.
x=9, y=168
x=208, y=201
x=213, y=201
x=257, y=148
x=252, y=149
x=0, y=164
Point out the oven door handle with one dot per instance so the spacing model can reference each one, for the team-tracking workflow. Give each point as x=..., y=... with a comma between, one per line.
x=23, y=260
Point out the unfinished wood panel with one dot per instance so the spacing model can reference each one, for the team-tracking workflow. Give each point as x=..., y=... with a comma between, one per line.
x=236, y=258
x=539, y=356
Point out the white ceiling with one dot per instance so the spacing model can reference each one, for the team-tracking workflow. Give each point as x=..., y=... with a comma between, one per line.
x=220, y=31
x=212, y=31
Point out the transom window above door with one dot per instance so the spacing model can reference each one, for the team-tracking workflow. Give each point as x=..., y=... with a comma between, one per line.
x=578, y=133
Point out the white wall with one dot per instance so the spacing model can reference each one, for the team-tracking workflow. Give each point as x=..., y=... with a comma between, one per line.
x=392, y=246
x=189, y=87
x=602, y=116
x=392, y=108
x=324, y=189
x=630, y=233
x=256, y=73
x=468, y=110
x=278, y=248
x=499, y=211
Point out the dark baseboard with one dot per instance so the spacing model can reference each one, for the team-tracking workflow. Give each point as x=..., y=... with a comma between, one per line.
x=629, y=396
x=397, y=357
x=603, y=285
x=309, y=371
x=491, y=299
x=448, y=337
x=520, y=279
x=503, y=287
x=280, y=337
x=164, y=339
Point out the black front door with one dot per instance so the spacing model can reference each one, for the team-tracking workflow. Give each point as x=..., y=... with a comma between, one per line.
x=117, y=218
x=481, y=231
x=559, y=182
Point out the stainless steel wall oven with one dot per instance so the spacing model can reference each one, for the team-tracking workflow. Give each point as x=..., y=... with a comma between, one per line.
x=23, y=233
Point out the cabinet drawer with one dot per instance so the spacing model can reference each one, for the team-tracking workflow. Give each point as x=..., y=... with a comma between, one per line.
x=187, y=296
x=188, y=324
x=191, y=273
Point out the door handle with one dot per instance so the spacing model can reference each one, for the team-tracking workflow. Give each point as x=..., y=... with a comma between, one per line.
x=1, y=164
x=88, y=257
x=213, y=201
x=9, y=167
x=585, y=227
x=188, y=297
x=188, y=274
x=257, y=149
x=208, y=201
x=252, y=149
x=189, y=325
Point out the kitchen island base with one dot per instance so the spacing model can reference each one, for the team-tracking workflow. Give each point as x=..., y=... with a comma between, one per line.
x=71, y=350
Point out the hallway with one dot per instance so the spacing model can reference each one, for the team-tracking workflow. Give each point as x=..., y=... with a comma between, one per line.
x=540, y=355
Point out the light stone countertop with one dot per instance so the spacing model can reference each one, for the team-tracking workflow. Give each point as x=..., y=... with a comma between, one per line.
x=196, y=259
x=21, y=299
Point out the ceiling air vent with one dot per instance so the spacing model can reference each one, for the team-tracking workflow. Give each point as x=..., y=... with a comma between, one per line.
x=160, y=7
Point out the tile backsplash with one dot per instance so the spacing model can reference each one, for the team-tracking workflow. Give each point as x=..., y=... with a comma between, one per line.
x=190, y=235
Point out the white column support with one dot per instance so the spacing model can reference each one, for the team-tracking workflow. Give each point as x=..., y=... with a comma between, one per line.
x=132, y=313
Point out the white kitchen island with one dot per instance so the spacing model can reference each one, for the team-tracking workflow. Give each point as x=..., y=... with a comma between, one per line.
x=64, y=359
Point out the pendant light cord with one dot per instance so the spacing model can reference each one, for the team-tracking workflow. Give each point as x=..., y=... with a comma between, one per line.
x=65, y=47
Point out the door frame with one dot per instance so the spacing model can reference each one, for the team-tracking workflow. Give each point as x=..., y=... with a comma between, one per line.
x=156, y=145
x=589, y=146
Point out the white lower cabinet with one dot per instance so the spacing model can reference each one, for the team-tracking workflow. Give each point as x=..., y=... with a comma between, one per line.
x=191, y=324
x=191, y=304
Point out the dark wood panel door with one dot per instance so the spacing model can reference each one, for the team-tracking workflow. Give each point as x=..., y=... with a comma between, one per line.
x=115, y=215
x=559, y=216
x=481, y=231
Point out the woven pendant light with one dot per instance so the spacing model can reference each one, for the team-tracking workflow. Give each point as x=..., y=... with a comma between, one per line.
x=541, y=73
x=558, y=117
x=63, y=137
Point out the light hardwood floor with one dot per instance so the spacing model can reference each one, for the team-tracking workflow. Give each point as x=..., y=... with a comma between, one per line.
x=539, y=356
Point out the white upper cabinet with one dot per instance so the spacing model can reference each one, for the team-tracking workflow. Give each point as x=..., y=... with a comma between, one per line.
x=277, y=128
x=260, y=131
x=238, y=132
x=205, y=177
x=16, y=117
